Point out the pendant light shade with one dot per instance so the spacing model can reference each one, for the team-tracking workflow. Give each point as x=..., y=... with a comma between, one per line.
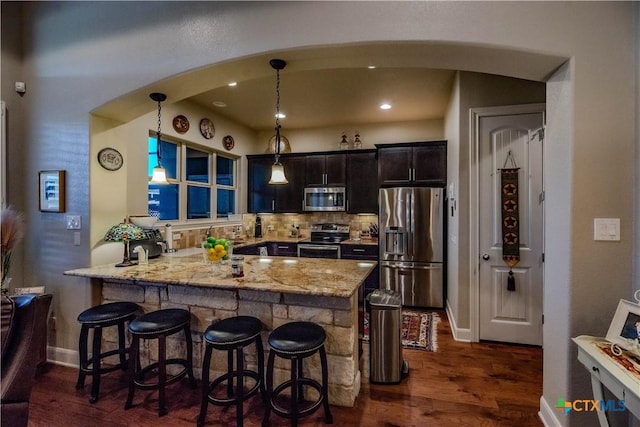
x=277, y=174
x=277, y=170
x=159, y=173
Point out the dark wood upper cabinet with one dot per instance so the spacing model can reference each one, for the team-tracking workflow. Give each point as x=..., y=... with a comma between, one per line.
x=326, y=169
x=264, y=197
x=362, y=182
x=418, y=163
x=289, y=196
x=260, y=195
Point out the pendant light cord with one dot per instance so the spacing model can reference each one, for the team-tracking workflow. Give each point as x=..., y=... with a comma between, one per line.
x=158, y=142
x=277, y=115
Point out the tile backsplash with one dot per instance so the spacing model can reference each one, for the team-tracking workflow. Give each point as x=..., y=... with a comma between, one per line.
x=274, y=226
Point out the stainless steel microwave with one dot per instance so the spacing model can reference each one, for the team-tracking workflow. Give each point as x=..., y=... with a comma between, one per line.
x=324, y=199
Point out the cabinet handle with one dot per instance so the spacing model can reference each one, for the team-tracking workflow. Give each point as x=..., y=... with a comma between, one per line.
x=358, y=250
x=273, y=205
x=414, y=174
x=409, y=174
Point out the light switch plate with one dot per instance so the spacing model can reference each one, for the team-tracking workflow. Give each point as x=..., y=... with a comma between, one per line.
x=74, y=222
x=606, y=229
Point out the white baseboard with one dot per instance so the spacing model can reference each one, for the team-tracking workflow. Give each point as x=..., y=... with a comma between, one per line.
x=63, y=357
x=549, y=417
x=459, y=334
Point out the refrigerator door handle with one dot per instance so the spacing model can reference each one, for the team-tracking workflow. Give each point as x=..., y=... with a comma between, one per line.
x=410, y=237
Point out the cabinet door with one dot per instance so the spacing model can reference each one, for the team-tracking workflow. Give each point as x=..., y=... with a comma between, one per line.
x=288, y=197
x=246, y=250
x=362, y=183
x=369, y=252
x=282, y=249
x=335, y=169
x=394, y=165
x=326, y=169
x=430, y=164
x=314, y=173
x=260, y=194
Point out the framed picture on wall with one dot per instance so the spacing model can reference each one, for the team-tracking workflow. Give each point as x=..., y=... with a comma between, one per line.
x=624, y=329
x=52, y=194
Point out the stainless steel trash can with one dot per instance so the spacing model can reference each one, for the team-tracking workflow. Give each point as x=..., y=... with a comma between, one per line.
x=385, y=343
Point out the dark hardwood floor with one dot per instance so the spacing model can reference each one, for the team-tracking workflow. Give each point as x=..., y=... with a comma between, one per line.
x=462, y=384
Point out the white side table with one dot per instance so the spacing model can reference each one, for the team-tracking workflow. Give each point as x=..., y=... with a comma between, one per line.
x=607, y=372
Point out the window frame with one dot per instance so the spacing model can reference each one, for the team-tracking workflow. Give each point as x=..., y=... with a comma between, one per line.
x=212, y=185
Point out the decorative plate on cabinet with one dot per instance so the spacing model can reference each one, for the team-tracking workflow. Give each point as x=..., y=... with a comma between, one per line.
x=180, y=124
x=228, y=142
x=207, y=129
x=110, y=159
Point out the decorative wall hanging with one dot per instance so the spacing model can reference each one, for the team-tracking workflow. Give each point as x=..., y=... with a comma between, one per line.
x=207, y=129
x=510, y=218
x=228, y=142
x=110, y=159
x=180, y=124
x=52, y=195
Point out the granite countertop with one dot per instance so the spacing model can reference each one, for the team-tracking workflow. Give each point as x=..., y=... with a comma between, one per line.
x=304, y=276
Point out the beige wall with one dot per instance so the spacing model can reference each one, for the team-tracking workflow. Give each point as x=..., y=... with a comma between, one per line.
x=134, y=46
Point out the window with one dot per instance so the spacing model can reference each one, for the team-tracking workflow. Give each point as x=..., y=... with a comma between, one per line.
x=201, y=182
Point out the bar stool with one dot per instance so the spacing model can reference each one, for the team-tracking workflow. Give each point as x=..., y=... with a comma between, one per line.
x=96, y=318
x=232, y=334
x=296, y=341
x=159, y=324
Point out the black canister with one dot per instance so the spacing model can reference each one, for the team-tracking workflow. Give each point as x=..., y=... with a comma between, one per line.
x=258, y=230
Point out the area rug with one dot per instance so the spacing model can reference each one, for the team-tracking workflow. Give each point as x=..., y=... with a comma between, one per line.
x=419, y=330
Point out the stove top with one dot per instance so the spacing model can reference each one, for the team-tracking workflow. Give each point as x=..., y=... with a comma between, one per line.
x=329, y=233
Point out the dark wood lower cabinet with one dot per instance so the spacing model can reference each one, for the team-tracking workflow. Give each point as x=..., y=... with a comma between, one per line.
x=364, y=253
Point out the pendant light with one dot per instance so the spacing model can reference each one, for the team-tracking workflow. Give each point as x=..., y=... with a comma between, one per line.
x=277, y=170
x=159, y=173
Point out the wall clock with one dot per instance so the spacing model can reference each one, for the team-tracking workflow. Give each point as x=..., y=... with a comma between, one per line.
x=207, y=129
x=180, y=124
x=110, y=159
x=228, y=142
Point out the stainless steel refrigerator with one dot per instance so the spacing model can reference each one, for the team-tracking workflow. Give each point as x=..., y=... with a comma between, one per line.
x=411, y=241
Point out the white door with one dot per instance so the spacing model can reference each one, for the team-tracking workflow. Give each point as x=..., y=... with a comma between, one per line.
x=511, y=315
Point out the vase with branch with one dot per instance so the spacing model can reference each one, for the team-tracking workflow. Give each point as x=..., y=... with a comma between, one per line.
x=11, y=233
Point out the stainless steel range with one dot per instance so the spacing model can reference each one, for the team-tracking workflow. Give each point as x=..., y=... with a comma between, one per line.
x=325, y=241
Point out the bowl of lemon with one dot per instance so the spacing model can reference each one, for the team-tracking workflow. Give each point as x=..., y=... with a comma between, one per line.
x=216, y=250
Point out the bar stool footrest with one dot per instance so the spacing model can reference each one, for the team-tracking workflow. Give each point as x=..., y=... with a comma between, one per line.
x=225, y=377
x=301, y=413
x=141, y=384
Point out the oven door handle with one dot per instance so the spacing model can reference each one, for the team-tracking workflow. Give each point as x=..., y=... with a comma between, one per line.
x=320, y=247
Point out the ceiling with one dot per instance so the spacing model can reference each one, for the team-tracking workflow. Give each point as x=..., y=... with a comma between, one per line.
x=332, y=85
x=329, y=97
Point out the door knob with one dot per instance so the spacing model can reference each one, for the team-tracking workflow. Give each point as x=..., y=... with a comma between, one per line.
x=486, y=257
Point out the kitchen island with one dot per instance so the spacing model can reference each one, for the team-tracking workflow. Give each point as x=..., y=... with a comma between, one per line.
x=276, y=290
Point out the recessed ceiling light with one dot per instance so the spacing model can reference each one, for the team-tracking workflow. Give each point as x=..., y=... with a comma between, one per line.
x=281, y=115
x=219, y=104
x=385, y=106
x=371, y=67
x=232, y=84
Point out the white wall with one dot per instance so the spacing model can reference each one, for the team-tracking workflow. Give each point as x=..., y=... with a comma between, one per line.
x=116, y=48
x=452, y=135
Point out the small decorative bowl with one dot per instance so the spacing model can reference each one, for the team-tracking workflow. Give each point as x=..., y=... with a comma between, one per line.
x=144, y=221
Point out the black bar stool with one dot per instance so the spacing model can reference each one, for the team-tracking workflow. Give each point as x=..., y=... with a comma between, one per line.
x=232, y=334
x=96, y=318
x=296, y=341
x=159, y=324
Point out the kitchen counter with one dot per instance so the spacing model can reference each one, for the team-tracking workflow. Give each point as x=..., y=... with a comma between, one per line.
x=276, y=290
x=305, y=276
